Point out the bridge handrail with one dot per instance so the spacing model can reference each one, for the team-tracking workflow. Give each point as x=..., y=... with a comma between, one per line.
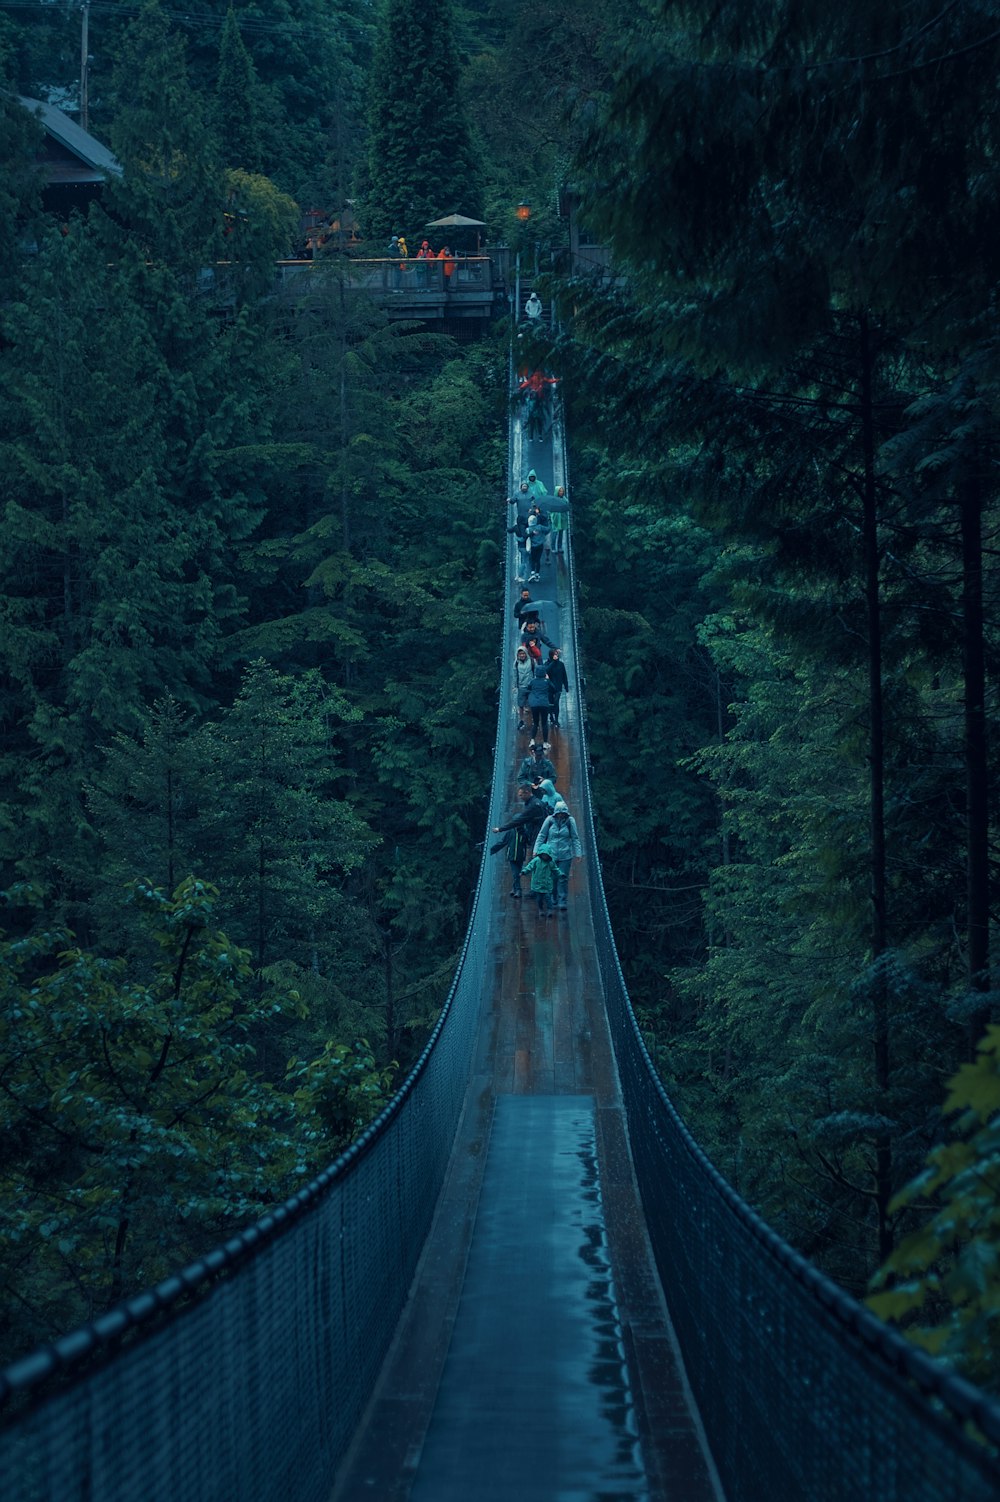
x=891, y=1423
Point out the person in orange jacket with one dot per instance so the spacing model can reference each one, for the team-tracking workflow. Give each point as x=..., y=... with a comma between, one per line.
x=424, y=254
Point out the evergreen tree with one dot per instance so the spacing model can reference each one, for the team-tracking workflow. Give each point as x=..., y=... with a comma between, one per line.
x=421, y=160
x=778, y=322
x=287, y=840
x=20, y=180
x=153, y=803
x=171, y=193
x=237, y=103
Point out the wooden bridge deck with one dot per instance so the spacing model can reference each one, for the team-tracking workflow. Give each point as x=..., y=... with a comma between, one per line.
x=535, y=1360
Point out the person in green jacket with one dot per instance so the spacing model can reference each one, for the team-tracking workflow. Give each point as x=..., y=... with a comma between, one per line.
x=558, y=522
x=542, y=870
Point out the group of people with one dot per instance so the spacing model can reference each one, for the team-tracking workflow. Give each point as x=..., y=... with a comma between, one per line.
x=398, y=248
x=533, y=390
x=541, y=840
x=539, y=526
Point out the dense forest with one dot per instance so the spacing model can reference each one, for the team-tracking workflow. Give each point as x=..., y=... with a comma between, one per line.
x=250, y=605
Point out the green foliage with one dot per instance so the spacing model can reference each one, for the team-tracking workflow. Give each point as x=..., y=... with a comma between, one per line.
x=943, y=1281
x=238, y=102
x=20, y=183
x=421, y=162
x=812, y=366
x=120, y=516
x=135, y=1125
x=261, y=228
x=171, y=190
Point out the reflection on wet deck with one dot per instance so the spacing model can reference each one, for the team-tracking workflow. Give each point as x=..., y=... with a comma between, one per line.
x=534, y=1400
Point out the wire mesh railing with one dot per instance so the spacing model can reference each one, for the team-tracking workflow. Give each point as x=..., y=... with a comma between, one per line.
x=804, y=1394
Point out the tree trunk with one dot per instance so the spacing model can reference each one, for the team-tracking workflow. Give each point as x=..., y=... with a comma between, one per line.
x=976, y=768
x=390, y=997
x=876, y=757
x=345, y=516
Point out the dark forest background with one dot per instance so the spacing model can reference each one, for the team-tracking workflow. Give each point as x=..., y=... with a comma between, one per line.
x=251, y=606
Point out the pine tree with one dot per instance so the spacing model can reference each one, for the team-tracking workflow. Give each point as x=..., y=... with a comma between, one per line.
x=171, y=193
x=20, y=181
x=421, y=162
x=237, y=102
x=821, y=166
x=289, y=839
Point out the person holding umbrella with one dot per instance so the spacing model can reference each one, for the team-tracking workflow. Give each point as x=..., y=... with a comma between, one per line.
x=530, y=819
x=526, y=608
x=534, y=639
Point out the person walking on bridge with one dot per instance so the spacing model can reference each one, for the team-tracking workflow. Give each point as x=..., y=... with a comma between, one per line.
x=560, y=834
x=542, y=870
x=518, y=849
x=540, y=704
x=520, y=531
x=524, y=672
x=536, y=487
x=535, y=766
x=559, y=679
x=533, y=638
x=536, y=541
x=557, y=521
x=531, y=818
x=525, y=609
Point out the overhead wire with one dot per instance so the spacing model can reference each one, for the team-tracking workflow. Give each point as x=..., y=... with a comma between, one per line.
x=193, y=19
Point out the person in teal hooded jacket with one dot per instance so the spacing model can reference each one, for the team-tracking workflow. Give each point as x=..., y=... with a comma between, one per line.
x=559, y=835
x=542, y=870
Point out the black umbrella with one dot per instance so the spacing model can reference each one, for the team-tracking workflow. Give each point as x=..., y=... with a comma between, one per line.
x=538, y=606
x=553, y=503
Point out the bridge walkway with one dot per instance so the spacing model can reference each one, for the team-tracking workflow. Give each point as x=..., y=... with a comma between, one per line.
x=535, y=1359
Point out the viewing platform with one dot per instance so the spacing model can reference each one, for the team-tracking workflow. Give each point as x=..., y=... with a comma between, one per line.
x=436, y=290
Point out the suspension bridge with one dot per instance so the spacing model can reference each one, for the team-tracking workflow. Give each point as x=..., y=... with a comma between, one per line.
x=523, y=1281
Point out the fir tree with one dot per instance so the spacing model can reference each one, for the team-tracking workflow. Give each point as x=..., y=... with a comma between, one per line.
x=20, y=180
x=237, y=102
x=421, y=162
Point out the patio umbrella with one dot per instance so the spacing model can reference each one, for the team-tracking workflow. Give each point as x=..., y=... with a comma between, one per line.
x=460, y=222
x=455, y=221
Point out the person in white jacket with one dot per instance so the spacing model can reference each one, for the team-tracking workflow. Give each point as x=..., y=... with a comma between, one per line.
x=560, y=833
